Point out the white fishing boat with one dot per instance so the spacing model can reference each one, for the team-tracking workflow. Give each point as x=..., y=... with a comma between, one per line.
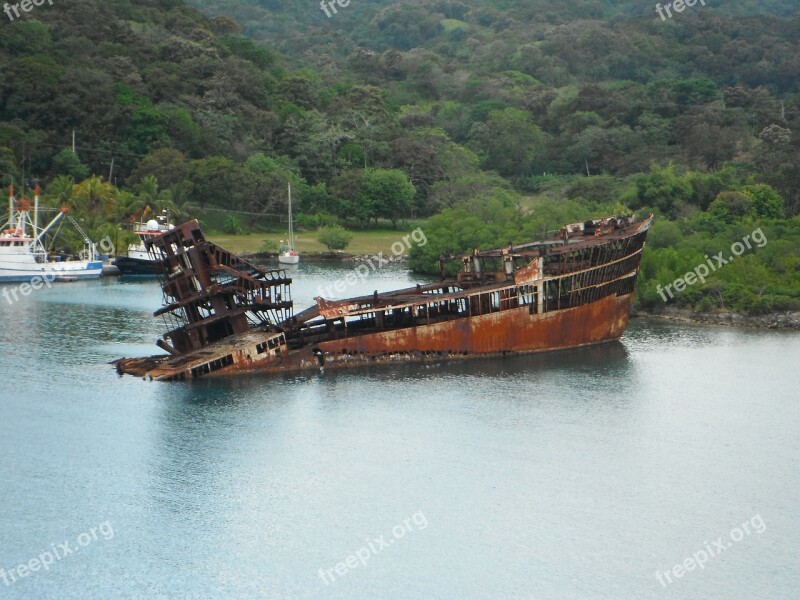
x=288, y=255
x=23, y=254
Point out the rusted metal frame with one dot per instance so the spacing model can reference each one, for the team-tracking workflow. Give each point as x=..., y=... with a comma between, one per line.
x=546, y=284
x=597, y=272
x=368, y=306
x=241, y=296
x=586, y=280
x=478, y=302
x=608, y=254
x=596, y=277
x=304, y=316
x=587, y=273
x=563, y=291
x=392, y=294
x=558, y=300
x=584, y=271
x=250, y=295
x=593, y=292
x=597, y=260
x=556, y=246
x=263, y=276
x=602, y=270
x=575, y=293
x=508, y=297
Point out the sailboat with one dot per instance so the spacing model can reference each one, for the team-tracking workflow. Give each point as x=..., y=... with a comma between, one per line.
x=22, y=251
x=288, y=256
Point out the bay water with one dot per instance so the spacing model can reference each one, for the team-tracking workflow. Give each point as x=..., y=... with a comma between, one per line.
x=662, y=466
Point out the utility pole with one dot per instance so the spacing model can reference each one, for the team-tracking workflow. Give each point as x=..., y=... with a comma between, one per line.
x=73, y=141
x=111, y=170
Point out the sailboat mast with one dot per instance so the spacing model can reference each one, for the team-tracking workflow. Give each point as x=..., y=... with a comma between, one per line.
x=36, y=210
x=291, y=228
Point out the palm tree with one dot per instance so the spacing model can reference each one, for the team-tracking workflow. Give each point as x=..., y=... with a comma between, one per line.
x=129, y=206
x=147, y=190
x=93, y=194
x=175, y=197
x=159, y=200
x=61, y=189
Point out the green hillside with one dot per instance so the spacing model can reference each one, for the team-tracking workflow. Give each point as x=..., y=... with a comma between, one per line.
x=504, y=117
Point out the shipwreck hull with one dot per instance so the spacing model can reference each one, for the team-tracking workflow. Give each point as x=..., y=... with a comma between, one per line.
x=227, y=316
x=513, y=331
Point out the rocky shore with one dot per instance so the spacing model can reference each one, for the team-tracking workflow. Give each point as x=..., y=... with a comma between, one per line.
x=783, y=320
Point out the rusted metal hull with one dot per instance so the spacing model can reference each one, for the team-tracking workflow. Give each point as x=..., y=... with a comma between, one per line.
x=498, y=334
x=508, y=332
x=571, y=290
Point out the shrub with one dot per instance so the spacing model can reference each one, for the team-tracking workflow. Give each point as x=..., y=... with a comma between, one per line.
x=335, y=237
x=233, y=226
x=268, y=246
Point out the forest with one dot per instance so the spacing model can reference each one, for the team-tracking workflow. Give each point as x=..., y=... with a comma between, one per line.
x=485, y=121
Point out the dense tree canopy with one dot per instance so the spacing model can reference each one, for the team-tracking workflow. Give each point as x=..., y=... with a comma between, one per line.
x=526, y=87
x=492, y=117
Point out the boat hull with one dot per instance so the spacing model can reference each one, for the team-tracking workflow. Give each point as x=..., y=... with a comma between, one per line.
x=509, y=332
x=498, y=334
x=136, y=266
x=289, y=259
x=64, y=271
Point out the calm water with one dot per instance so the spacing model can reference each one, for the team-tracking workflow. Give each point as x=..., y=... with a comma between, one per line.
x=575, y=475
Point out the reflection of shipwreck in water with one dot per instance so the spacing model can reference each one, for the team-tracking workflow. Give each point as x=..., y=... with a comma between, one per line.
x=225, y=315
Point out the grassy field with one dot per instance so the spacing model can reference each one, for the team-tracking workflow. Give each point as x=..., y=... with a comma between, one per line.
x=363, y=242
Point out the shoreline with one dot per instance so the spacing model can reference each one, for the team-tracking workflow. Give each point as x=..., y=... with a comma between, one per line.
x=322, y=257
x=782, y=320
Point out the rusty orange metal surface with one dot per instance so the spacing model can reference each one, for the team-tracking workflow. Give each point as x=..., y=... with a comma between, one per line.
x=572, y=290
x=529, y=273
x=508, y=331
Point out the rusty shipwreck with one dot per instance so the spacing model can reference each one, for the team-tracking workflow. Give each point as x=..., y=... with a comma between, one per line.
x=225, y=315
